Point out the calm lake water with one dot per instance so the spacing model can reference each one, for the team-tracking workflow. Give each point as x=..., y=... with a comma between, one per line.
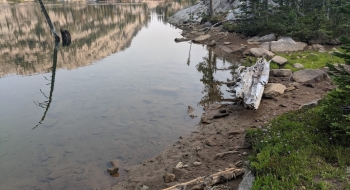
x=119, y=91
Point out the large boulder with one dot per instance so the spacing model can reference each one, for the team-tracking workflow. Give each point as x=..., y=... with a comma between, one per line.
x=310, y=75
x=281, y=72
x=184, y=15
x=286, y=44
x=259, y=52
x=273, y=89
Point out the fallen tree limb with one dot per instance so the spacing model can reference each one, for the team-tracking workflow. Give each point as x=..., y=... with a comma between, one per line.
x=251, y=82
x=201, y=182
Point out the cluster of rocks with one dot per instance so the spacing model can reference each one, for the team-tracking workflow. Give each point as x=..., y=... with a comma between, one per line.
x=302, y=77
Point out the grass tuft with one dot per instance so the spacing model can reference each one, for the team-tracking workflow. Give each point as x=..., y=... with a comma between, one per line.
x=310, y=59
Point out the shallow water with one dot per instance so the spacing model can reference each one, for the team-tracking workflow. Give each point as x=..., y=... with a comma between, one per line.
x=120, y=91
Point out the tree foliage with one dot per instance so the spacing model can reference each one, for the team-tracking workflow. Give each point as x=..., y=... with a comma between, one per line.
x=305, y=19
x=335, y=110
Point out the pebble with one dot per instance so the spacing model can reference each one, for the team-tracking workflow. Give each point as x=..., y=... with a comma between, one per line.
x=244, y=153
x=197, y=163
x=179, y=165
x=168, y=177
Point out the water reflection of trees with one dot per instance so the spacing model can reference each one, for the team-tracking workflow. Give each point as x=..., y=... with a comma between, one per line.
x=211, y=91
x=46, y=104
x=98, y=31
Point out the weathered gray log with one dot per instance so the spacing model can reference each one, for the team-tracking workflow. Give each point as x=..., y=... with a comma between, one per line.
x=201, y=182
x=251, y=83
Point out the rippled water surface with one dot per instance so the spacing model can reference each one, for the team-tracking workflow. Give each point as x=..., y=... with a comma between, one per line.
x=119, y=91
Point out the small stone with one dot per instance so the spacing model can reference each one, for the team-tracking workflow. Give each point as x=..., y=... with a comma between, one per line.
x=181, y=40
x=185, y=166
x=205, y=120
x=291, y=88
x=168, y=177
x=279, y=60
x=198, y=148
x=239, y=163
x=197, y=163
x=322, y=50
x=212, y=43
x=144, y=187
x=244, y=153
x=179, y=165
x=298, y=65
x=273, y=89
x=115, y=167
x=227, y=43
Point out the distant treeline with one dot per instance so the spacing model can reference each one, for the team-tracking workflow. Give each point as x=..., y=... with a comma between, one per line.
x=306, y=20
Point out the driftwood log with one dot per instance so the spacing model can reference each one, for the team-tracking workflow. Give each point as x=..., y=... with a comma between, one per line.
x=207, y=181
x=250, y=83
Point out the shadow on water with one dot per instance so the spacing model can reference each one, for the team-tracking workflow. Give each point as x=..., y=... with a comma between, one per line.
x=46, y=104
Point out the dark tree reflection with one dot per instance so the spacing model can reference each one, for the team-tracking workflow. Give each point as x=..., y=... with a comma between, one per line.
x=46, y=104
x=211, y=85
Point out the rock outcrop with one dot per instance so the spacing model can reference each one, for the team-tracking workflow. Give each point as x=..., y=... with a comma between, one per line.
x=284, y=44
x=309, y=75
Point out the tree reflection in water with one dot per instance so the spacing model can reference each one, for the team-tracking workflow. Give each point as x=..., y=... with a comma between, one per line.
x=211, y=85
x=46, y=104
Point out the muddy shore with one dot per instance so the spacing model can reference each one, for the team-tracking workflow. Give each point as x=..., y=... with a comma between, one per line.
x=198, y=151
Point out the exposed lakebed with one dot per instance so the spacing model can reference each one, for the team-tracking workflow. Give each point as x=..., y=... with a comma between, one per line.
x=121, y=91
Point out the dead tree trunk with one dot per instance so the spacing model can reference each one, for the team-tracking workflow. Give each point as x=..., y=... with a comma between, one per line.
x=250, y=83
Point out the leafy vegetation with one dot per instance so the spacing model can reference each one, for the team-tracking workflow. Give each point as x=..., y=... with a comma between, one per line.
x=336, y=107
x=310, y=59
x=308, y=148
x=302, y=19
x=293, y=152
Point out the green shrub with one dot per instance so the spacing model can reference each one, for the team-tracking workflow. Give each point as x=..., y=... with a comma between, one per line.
x=230, y=27
x=335, y=115
x=292, y=152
